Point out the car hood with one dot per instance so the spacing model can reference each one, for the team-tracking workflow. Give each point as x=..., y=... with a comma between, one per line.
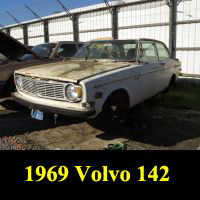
x=72, y=71
x=11, y=48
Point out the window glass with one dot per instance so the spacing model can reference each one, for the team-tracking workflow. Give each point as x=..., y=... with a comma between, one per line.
x=67, y=50
x=119, y=50
x=148, y=52
x=162, y=52
x=42, y=50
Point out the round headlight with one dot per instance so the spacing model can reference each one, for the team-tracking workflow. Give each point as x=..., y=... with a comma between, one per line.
x=19, y=82
x=73, y=93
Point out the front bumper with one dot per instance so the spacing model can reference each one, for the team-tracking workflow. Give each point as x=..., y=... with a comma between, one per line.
x=45, y=108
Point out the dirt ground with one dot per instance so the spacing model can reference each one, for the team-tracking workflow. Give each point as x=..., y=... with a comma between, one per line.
x=166, y=129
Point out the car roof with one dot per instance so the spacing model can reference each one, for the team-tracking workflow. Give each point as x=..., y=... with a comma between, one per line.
x=151, y=40
x=67, y=42
x=105, y=40
x=137, y=39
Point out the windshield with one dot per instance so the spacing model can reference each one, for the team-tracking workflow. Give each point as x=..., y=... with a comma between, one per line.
x=42, y=50
x=118, y=50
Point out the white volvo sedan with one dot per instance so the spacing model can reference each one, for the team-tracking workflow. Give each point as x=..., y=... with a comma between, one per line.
x=103, y=75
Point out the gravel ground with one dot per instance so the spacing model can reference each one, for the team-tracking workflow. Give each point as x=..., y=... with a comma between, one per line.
x=17, y=142
x=166, y=129
x=21, y=142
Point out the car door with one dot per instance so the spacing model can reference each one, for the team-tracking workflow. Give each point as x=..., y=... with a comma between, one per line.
x=148, y=70
x=166, y=64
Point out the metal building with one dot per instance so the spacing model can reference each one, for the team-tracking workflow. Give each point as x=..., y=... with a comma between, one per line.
x=176, y=25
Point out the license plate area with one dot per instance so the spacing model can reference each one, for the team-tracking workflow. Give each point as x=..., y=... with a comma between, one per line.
x=36, y=114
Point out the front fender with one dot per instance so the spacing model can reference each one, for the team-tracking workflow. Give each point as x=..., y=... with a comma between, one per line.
x=106, y=91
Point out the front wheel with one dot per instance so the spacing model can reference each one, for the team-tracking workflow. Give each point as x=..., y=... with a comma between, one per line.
x=106, y=118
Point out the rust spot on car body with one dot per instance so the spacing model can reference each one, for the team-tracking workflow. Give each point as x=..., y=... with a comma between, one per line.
x=73, y=71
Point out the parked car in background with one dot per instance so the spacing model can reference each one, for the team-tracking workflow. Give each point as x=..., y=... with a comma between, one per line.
x=62, y=49
x=19, y=56
x=105, y=76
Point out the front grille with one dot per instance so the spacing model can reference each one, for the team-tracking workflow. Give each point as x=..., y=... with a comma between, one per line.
x=43, y=89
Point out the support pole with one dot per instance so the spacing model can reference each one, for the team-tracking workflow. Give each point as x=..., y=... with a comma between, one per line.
x=172, y=28
x=115, y=22
x=34, y=13
x=25, y=34
x=14, y=18
x=76, y=27
x=46, y=30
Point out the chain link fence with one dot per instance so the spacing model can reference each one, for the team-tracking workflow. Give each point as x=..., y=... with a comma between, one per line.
x=66, y=20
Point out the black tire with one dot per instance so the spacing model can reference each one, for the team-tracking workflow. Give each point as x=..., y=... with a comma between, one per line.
x=172, y=84
x=115, y=108
x=105, y=118
x=172, y=81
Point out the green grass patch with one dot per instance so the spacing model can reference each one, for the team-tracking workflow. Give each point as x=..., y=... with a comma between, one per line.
x=181, y=96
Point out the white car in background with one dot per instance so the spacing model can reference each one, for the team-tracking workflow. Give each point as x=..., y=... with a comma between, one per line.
x=105, y=76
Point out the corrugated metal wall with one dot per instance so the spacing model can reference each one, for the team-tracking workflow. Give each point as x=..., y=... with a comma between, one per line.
x=60, y=29
x=35, y=34
x=17, y=32
x=147, y=20
x=188, y=36
x=145, y=15
x=94, y=25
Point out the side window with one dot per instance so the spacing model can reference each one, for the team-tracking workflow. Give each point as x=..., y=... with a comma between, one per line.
x=66, y=50
x=162, y=52
x=148, y=52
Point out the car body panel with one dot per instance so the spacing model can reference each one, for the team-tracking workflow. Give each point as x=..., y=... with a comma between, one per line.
x=73, y=71
x=13, y=49
x=140, y=80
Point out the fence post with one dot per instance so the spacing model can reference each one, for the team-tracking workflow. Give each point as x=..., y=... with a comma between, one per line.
x=75, y=27
x=46, y=30
x=172, y=28
x=115, y=22
x=25, y=34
